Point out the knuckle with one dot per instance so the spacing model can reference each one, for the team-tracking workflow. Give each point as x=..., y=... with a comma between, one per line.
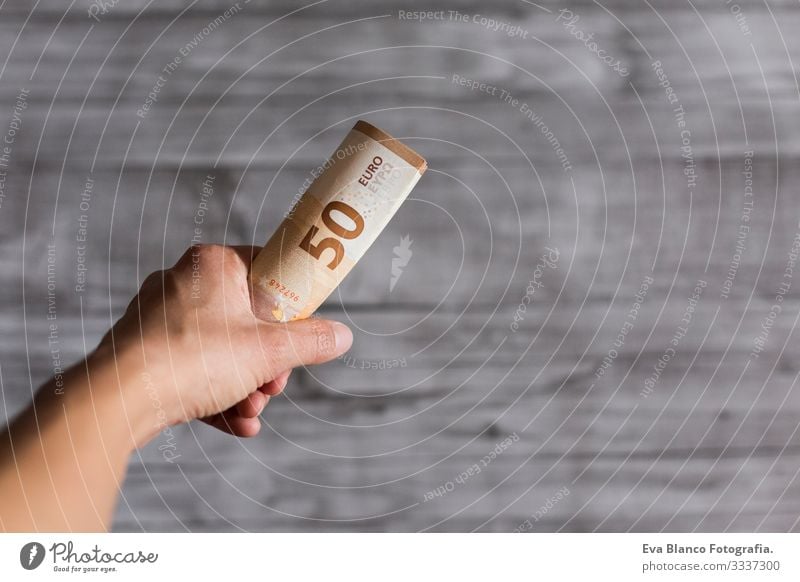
x=152, y=280
x=213, y=251
x=270, y=343
x=323, y=338
x=192, y=251
x=279, y=353
x=201, y=253
x=303, y=342
x=172, y=282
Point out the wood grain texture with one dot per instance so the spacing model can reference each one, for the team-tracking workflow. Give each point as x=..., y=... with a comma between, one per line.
x=438, y=376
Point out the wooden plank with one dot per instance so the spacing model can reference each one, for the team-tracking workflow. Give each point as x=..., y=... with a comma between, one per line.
x=603, y=499
x=609, y=238
x=715, y=53
x=48, y=8
x=447, y=142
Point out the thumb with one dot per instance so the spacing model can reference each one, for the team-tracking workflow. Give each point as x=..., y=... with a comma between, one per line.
x=305, y=342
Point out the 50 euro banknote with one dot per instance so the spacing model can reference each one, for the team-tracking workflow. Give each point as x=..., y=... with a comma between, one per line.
x=337, y=219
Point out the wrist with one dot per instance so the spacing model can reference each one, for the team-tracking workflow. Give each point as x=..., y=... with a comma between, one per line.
x=113, y=389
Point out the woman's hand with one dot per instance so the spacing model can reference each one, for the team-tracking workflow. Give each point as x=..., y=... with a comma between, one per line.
x=190, y=347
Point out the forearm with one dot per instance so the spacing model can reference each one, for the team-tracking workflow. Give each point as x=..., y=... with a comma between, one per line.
x=62, y=462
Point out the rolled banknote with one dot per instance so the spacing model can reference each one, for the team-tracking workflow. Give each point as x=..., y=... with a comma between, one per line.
x=333, y=224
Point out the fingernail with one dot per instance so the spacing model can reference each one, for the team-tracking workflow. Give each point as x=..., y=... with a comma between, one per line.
x=343, y=335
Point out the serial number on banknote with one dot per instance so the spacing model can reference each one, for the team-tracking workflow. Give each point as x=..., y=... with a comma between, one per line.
x=284, y=290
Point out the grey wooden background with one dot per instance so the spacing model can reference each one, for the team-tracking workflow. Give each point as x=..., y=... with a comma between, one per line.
x=266, y=95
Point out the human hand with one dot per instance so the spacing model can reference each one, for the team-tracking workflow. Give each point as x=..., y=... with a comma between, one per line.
x=189, y=346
